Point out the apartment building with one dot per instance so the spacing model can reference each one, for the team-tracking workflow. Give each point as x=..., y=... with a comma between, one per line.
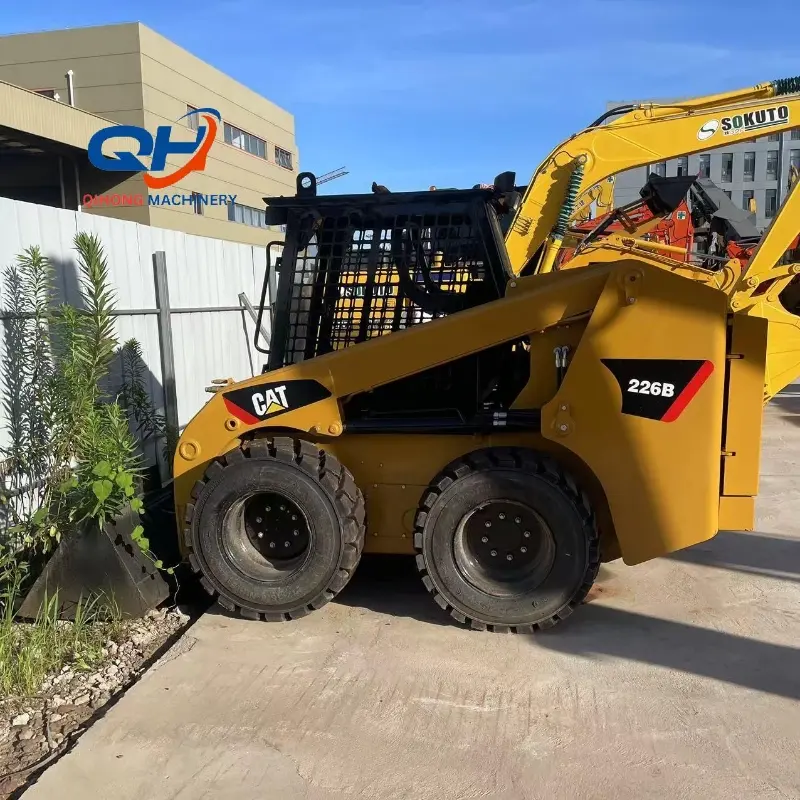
x=131, y=75
x=757, y=171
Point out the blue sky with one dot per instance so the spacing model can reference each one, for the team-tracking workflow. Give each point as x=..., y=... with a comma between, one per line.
x=450, y=92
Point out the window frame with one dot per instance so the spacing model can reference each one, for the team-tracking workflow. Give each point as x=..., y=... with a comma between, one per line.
x=288, y=154
x=722, y=170
x=770, y=212
x=243, y=140
x=774, y=157
x=704, y=159
x=197, y=205
x=749, y=177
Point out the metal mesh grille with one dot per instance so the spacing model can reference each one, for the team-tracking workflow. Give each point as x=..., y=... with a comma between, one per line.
x=361, y=278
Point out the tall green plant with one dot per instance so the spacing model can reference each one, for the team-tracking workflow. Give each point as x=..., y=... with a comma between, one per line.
x=72, y=455
x=149, y=422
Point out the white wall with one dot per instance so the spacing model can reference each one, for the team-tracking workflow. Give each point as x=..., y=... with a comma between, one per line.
x=202, y=273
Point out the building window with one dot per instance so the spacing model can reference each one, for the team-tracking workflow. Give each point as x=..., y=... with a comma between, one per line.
x=51, y=93
x=795, y=134
x=749, y=166
x=192, y=122
x=197, y=203
x=747, y=198
x=245, y=141
x=683, y=166
x=660, y=168
x=247, y=215
x=772, y=165
x=705, y=166
x=771, y=204
x=774, y=137
x=283, y=158
x=794, y=159
x=727, y=167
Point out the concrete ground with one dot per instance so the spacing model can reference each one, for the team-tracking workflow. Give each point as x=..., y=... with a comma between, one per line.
x=679, y=679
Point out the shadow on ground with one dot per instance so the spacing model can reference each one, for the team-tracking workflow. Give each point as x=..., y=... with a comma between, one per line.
x=392, y=585
x=752, y=553
x=596, y=631
x=789, y=402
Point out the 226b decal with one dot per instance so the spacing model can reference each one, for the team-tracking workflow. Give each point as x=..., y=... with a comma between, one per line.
x=655, y=388
x=658, y=388
x=254, y=404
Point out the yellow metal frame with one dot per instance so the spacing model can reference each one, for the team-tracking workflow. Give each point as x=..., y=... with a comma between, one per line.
x=631, y=468
x=648, y=134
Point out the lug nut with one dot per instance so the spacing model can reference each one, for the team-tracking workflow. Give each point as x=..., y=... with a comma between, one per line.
x=488, y=524
x=272, y=544
x=261, y=534
x=294, y=517
x=295, y=533
x=283, y=508
x=484, y=539
x=502, y=515
x=509, y=557
x=518, y=520
x=523, y=549
x=526, y=534
x=268, y=509
x=494, y=552
x=286, y=544
x=258, y=520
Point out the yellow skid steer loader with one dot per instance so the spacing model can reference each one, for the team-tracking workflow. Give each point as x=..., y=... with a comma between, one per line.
x=508, y=432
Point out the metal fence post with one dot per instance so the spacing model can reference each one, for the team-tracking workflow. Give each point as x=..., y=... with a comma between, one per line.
x=165, y=348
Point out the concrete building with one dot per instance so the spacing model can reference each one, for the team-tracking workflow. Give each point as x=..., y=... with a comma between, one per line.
x=131, y=75
x=754, y=170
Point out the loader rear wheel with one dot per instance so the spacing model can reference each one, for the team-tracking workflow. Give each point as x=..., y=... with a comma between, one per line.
x=276, y=529
x=506, y=540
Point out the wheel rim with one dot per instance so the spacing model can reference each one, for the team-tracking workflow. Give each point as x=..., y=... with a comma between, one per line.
x=504, y=548
x=267, y=537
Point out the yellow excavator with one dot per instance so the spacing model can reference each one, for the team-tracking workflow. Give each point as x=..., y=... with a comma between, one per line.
x=633, y=136
x=576, y=171
x=508, y=431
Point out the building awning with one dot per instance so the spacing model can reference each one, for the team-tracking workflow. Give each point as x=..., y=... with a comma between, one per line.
x=30, y=121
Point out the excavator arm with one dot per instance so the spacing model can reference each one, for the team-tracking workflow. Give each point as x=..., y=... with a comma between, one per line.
x=641, y=135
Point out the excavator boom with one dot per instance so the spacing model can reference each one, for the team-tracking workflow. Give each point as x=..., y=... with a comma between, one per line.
x=641, y=135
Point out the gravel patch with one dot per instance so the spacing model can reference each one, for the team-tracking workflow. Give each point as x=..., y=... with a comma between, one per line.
x=36, y=729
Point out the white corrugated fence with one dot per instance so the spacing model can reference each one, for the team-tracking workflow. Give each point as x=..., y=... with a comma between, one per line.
x=212, y=335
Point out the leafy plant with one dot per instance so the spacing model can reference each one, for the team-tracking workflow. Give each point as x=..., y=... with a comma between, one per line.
x=72, y=455
x=150, y=424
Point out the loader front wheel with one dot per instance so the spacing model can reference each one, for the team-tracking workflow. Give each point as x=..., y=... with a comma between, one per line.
x=276, y=529
x=506, y=540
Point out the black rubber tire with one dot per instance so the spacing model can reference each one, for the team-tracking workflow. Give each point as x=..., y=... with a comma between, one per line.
x=319, y=485
x=536, y=481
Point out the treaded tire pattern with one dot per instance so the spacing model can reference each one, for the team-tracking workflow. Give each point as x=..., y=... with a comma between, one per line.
x=530, y=462
x=332, y=477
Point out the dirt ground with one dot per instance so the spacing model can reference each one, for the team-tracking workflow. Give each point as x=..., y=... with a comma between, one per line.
x=679, y=679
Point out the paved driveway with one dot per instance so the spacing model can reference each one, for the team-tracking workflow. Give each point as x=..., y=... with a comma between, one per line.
x=679, y=679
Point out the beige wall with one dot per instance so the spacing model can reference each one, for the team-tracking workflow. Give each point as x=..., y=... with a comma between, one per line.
x=172, y=79
x=105, y=61
x=132, y=75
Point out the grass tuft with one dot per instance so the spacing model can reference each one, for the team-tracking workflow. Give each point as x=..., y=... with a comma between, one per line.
x=29, y=652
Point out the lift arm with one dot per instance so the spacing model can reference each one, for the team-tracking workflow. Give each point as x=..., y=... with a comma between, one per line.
x=643, y=134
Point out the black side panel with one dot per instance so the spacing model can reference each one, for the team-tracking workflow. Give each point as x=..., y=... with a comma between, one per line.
x=265, y=400
x=658, y=388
